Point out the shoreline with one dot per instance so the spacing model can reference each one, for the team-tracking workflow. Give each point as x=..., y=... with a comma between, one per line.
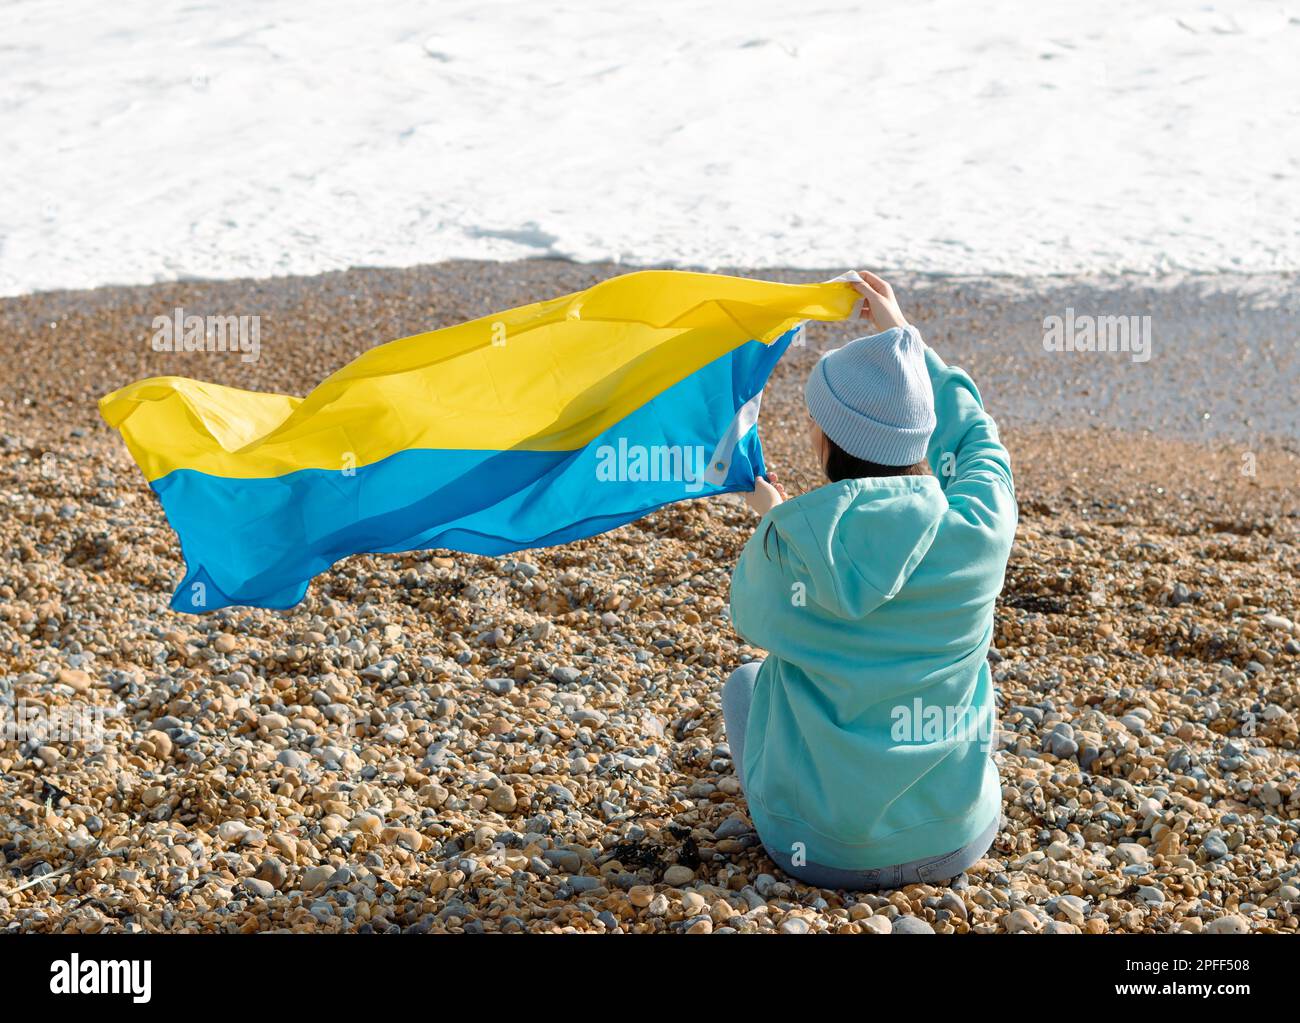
x=1205, y=330
x=1283, y=277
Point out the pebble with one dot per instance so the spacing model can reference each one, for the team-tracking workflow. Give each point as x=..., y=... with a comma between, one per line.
x=1073, y=907
x=257, y=888
x=314, y=877
x=502, y=798
x=233, y=832
x=273, y=871
x=293, y=759
x=1131, y=853
x=1020, y=921
x=407, y=838
x=77, y=681
x=678, y=875
x=640, y=895
x=733, y=827
x=1230, y=924
x=952, y=903
x=161, y=743
x=565, y=859
x=367, y=824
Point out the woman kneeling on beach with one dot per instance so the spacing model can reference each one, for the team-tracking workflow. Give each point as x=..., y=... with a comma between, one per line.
x=864, y=741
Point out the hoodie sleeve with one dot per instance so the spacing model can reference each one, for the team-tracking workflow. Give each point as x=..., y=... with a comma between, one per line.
x=965, y=452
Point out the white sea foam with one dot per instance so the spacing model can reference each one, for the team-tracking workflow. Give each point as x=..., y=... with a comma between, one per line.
x=143, y=141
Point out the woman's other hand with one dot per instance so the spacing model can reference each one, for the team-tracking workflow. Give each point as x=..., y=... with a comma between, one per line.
x=766, y=495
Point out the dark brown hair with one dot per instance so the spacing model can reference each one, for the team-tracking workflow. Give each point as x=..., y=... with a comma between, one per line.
x=840, y=465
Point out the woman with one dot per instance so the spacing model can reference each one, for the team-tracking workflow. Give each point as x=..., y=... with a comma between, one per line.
x=864, y=740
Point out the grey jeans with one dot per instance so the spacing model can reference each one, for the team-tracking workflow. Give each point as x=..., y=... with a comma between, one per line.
x=737, y=695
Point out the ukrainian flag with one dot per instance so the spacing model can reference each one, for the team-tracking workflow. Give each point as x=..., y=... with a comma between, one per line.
x=532, y=427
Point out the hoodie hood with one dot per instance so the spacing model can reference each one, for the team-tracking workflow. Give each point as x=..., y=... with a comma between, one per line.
x=853, y=544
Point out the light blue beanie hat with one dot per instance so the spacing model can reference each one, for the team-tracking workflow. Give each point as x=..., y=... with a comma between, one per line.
x=873, y=397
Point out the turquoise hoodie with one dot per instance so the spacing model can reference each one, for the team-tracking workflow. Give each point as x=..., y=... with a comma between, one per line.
x=868, y=742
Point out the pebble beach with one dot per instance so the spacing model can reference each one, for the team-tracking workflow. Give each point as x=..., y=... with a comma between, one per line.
x=439, y=742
